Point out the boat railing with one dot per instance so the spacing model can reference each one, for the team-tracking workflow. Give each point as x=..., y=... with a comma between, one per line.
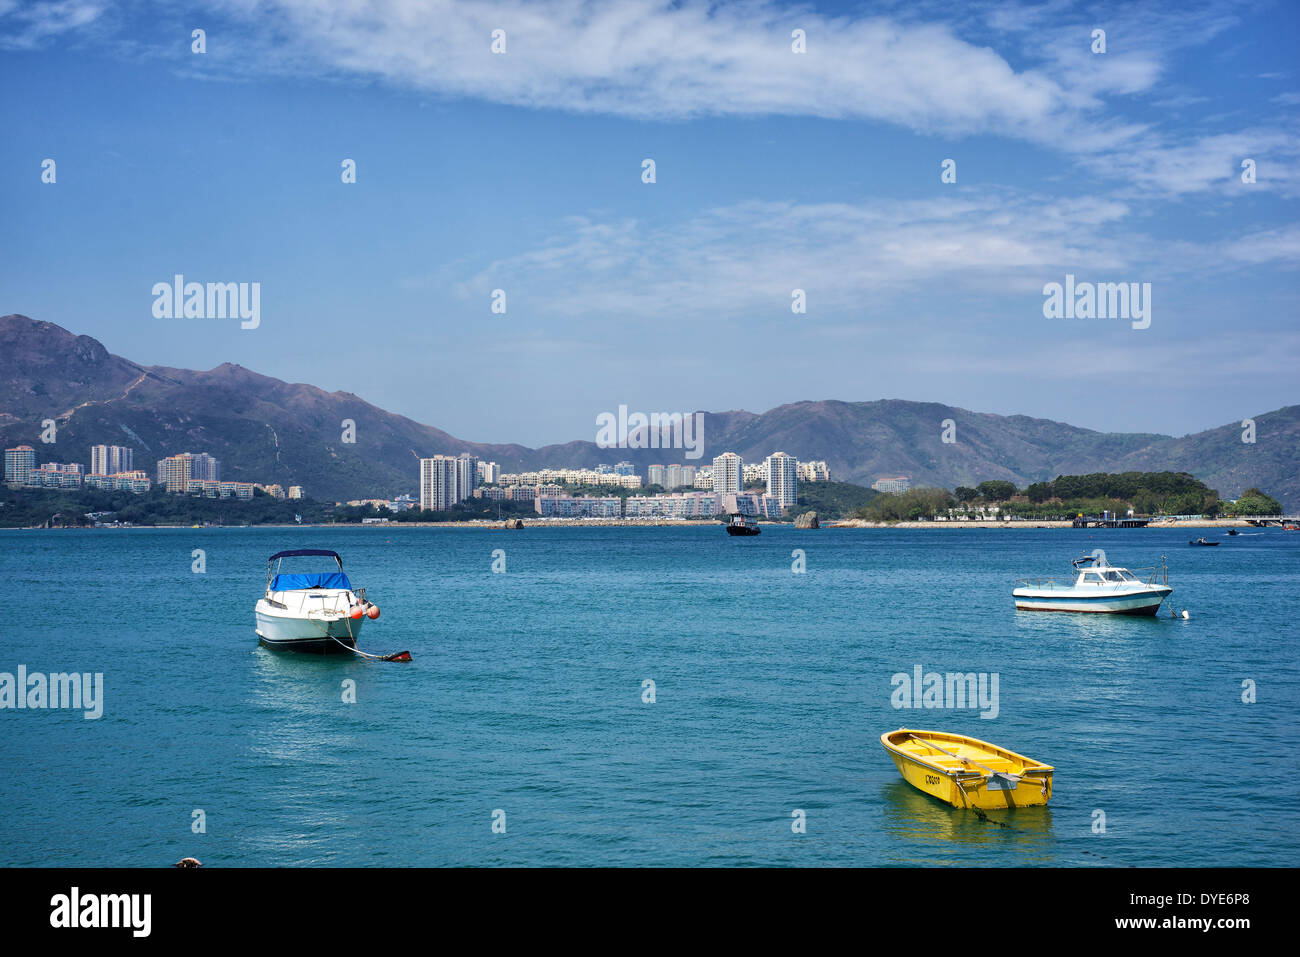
x=1056, y=582
x=1153, y=574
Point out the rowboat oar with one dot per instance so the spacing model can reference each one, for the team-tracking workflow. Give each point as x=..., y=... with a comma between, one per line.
x=1015, y=778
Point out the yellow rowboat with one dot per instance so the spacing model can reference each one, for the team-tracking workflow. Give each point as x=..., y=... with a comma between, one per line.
x=967, y=772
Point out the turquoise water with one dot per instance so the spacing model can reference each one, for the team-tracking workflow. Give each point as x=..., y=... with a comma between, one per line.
x=525, y=695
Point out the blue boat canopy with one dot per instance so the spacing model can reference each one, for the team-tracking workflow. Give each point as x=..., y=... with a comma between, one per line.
x=290, y=582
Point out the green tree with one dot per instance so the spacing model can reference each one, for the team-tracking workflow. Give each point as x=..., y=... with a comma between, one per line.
x=996, y=491
x=1254, y=502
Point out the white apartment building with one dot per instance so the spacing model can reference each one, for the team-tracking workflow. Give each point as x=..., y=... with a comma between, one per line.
x=814, y=472
x=110, y=459
x=895, y=483
x=466, y=475
x=568, y=506
x=679, y=505
x=438, y=476
x=783, y=478
x=728, y=471
x=19, y=463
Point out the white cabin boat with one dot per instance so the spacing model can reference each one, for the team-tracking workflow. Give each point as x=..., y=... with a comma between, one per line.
x=316, y=611
x=1097, y=587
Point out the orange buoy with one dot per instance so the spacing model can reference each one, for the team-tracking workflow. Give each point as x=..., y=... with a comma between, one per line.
x=373, y=611
x=356, y=612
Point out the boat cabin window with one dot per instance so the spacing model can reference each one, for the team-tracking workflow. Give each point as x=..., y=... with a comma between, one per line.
x=1114, y=577
x=1091, y=577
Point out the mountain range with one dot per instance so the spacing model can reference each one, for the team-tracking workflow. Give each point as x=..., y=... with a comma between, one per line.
x=266, y=430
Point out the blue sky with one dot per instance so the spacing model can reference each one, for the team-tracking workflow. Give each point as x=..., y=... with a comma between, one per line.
x=775, y=171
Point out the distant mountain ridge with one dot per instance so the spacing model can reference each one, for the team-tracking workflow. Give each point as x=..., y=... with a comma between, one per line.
x=266, y=430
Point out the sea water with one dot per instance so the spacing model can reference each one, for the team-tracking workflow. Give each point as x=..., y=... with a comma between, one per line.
x=643, y=696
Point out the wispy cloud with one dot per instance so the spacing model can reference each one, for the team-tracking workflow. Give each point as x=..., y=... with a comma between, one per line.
x=745, y=259
x=28, y=26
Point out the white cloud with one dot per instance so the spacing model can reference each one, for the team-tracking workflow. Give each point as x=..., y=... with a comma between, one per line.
x=745, y=259
x=655, y=59
x=27, y=27
x=1163, y=164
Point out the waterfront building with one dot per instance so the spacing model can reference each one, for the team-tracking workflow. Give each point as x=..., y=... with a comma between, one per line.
x=703, y=477
x=206, y=467
x=625, y=468
x=814, y=472
x=19, y=462
x=176, y=471
x=568, y=506
x=295, y=491
x=466, y=475
x=895, y=483
x=203, y=488
x=783, y=478
x=754, y=474
x=111, y=459
x=136, y=480
x=239, y=490
x=488, y=472
x=655, y=475
x=55, y=475
x=672, y=505
x=727, y=473
x=438, y=477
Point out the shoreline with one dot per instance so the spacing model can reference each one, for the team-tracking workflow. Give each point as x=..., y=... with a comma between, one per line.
x=848, y=523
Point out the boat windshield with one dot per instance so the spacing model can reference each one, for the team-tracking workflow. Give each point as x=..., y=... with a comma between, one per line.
x=1108, y=575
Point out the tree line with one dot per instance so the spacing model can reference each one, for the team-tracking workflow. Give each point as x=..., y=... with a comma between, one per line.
x=1066, y=496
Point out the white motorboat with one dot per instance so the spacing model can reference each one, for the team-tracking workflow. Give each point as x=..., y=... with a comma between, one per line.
x=1097, y=587
x=313, y=611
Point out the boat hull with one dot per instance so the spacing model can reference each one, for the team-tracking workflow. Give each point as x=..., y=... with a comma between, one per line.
x=742, y=530
x=315, y=635
x=972, y=789
x=1133, y=603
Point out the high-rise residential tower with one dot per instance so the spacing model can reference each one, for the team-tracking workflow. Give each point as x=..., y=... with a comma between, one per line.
x=727, y=473
x=783, y=478
x=438, y=479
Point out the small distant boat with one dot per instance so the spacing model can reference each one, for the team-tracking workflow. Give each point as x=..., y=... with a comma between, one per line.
x=967, y=772
x=1233, y=531
x=1202, y=541
x=313, y=611
x=738, y=525
x=1097, y=587
x=1291, y=528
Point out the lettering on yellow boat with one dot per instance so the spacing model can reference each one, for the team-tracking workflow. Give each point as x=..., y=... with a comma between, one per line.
x=932, y=779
